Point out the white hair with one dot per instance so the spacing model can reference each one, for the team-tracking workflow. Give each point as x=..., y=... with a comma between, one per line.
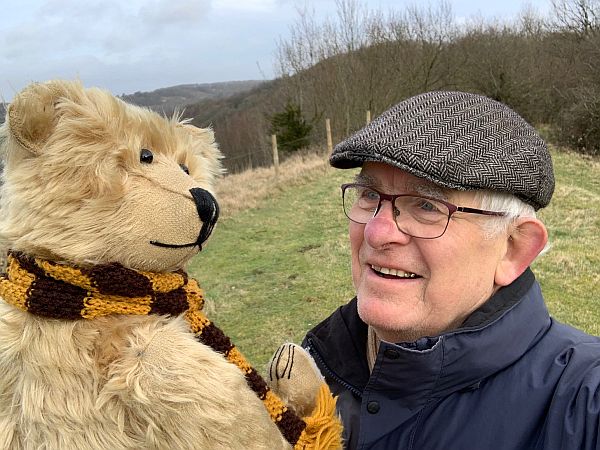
x=512, y=206
x=508, y=203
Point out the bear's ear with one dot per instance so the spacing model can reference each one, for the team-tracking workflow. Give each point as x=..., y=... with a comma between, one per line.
x=32, y=115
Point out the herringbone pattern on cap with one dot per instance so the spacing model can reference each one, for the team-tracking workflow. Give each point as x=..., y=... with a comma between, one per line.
x=457, y=140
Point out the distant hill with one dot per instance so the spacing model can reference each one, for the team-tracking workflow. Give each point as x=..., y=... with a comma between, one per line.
x=165, y=100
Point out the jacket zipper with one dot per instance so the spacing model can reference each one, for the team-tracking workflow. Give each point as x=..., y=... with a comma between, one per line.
x=315, y=354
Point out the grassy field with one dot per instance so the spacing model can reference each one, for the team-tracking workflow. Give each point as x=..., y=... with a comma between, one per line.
x=278, y=261
x=570, y=271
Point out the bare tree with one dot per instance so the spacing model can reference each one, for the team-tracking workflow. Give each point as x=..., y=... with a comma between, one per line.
x=371, y=60
x=581, y=17
x=363, y=59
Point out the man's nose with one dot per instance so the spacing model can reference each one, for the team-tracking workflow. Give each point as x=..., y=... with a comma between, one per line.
x=382, y=230
x=393, y=210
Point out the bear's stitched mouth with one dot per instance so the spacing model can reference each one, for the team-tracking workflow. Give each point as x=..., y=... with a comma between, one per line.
x=162, y=244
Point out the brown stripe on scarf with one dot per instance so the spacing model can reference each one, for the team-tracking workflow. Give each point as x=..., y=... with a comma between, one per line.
x=213, y=337
x=28, y=263
x=291, y=426
x=171, y=303
x=51, y=298
x=257, y=384
x=55, y=299
x=111, y=279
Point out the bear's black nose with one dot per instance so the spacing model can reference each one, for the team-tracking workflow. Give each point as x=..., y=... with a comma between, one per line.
x=208, y=210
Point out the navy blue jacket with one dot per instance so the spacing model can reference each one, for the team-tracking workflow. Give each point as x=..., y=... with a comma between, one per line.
x=510, y=377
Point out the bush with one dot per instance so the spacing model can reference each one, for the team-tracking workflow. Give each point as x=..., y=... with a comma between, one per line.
x=291, y=129
x=579, y=124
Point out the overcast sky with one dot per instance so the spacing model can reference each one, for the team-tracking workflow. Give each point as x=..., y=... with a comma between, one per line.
x=142, y=45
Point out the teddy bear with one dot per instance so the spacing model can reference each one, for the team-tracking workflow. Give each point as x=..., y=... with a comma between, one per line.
x=103, y=340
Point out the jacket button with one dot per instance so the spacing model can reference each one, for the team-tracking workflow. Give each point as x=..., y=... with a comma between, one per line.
x=391, y=353
x=373, y=407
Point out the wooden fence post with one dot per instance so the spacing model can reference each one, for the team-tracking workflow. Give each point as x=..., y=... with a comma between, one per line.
x=329, y=140
x=368, y=116
x=275, y=154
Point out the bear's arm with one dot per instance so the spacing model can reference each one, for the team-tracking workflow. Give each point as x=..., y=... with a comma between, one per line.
x=178, y=393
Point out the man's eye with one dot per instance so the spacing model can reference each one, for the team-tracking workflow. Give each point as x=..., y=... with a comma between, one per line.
x=370, y=195
x=427, y=206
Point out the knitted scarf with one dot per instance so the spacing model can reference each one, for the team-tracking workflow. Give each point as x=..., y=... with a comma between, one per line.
x=58, y=291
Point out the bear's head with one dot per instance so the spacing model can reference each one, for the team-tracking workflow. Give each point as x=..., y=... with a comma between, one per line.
x=90, y=179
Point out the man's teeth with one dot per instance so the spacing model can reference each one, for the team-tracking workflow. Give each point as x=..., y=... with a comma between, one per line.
x=394, y=272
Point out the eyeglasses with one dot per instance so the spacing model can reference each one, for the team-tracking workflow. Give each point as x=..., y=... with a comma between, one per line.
x=418, y=216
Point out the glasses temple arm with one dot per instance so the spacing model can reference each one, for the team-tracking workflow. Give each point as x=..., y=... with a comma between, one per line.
x=479, y=211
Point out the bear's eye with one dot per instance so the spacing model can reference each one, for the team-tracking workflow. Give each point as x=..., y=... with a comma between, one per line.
x=184, y=168
x=146, y=156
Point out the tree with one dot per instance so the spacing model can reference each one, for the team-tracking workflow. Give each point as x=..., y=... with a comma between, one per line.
x=581, y=17
x=291, y=129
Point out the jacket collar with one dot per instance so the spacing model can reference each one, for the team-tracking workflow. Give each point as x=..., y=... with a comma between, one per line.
x=492, y=337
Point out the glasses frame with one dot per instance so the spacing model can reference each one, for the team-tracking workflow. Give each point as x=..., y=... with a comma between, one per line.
x=392, y=199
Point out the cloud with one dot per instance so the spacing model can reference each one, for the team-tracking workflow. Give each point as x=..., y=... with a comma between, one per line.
x=105, y=29
x=247, y=5
x=174, y=12
x=72, y=10
x=135, y=45
x=58, y=28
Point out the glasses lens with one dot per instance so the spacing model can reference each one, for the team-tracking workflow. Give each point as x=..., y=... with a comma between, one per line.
x=421, y=217
x=417, y=216
x=360, y=203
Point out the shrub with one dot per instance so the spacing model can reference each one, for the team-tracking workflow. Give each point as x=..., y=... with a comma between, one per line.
x=579, y=124
x=291, y=129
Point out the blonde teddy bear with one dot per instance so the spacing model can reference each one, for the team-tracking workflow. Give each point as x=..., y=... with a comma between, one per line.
x=103, y=341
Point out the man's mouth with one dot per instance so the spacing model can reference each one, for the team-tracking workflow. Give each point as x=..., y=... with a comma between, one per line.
x=386, y=272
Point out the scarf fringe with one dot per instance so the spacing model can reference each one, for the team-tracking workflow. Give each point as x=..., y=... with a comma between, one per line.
x=323, y=427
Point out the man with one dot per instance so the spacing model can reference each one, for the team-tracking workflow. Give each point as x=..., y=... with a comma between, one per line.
x=448, y=343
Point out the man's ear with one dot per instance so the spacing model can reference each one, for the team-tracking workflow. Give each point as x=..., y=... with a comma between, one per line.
x=527, y=238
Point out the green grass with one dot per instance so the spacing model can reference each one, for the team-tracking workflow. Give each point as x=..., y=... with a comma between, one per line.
x=569, y=273
x=273, y=272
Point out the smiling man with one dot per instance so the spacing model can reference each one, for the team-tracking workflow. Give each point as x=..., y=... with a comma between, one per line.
x=448, y=343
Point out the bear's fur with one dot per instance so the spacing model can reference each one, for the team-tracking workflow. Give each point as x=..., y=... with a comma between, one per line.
x=77, y=190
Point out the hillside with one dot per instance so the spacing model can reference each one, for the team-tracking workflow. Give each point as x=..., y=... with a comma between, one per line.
x=168, y=98
x=165, y=100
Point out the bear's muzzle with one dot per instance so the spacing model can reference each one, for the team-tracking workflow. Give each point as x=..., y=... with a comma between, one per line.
x=208, y=211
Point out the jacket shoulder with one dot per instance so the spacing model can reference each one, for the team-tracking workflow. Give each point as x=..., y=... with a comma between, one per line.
x=574, y=413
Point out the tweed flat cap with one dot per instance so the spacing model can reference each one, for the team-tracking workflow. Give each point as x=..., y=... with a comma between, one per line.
x=459, y=141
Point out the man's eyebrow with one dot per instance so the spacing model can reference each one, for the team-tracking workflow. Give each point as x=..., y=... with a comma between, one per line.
x=362, y=178
x=426, y=189
x=430, y=190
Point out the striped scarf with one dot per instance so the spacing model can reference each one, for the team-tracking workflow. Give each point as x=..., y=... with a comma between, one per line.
x=58, y=291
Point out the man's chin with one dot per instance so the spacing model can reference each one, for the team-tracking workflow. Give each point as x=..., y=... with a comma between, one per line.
x=392, y=322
